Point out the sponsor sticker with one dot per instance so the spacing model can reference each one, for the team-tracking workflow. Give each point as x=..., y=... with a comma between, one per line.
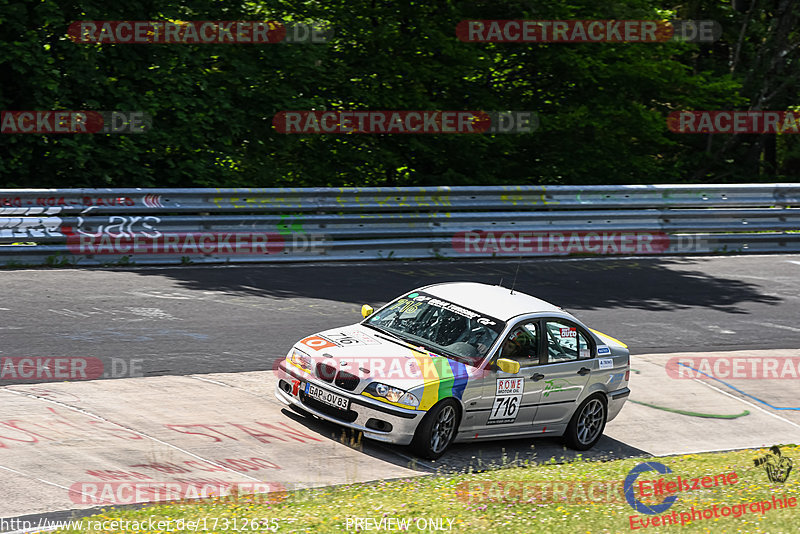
x=510, y=386
x=351, y=338
x=568, y=332
x=606, y=363
x=507, y=401
x=317, y=342
x=603, y=349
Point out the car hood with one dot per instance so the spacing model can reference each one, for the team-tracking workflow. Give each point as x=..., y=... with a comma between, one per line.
x=377, y=357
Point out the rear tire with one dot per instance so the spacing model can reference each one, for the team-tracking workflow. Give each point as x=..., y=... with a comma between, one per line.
x=587, y=423
x=437, y=430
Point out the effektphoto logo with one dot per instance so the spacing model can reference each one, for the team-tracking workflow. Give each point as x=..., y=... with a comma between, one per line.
x=75, y=122
x=587, y=31
x=404, y=122
x=42, y=368
x=734, y=122
x=197, y=32
x=776, y=466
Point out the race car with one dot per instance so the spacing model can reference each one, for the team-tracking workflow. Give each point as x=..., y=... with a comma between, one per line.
x=460, y=362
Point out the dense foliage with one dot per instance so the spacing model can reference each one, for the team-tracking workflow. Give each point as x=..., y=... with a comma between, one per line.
x=602, y=107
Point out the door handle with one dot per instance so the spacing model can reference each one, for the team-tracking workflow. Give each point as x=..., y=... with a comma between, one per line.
x=584, y=371
x=537, y=376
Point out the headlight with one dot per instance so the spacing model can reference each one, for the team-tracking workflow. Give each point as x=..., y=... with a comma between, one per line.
x=300, y=359
x=392, y=394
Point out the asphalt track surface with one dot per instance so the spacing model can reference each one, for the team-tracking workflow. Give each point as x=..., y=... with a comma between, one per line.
x=179, y=324
x=194, y=320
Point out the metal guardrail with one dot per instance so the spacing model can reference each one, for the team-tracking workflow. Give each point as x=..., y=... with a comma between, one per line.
x=168, y=226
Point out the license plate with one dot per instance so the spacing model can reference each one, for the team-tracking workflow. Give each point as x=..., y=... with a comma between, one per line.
x=328, y=397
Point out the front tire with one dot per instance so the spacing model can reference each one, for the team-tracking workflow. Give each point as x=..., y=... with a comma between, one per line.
x=587, y=424
x=437, y=430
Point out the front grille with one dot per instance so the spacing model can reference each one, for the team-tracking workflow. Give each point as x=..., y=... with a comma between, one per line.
x=343, y=379
x=326, y=372
x=347, y=381
x=347, y=416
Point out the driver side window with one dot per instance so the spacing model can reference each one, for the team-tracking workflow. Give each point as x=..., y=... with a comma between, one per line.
x=565, y=343
x=522, y=344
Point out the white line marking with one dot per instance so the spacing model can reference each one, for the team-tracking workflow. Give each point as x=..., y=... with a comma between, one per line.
x=47, y=482
x=779, y=326
x=215, y=382
x=795, y=262
x=776, y=416
x=99, y=418
x=35, y=529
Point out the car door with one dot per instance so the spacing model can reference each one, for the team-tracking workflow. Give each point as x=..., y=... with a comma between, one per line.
x=507, y=404
x=566, y=369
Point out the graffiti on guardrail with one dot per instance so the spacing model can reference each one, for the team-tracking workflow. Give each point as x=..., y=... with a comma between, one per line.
x=119, y=226
x=266, y=201
x=19, y=227
x=65, y=201
x=292, y=224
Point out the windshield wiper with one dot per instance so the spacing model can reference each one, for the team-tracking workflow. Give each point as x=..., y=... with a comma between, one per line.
x=382, y=330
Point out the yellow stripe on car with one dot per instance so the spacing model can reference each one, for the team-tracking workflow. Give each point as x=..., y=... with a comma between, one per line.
x=609, y=337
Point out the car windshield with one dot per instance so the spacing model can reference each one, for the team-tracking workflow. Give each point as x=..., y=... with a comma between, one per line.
x=439, y=326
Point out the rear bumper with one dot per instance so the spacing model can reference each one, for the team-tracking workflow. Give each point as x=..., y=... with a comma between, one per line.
x=362, y=410
x=616, y=400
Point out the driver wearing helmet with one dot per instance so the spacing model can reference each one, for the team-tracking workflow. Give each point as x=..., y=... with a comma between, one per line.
x=521, y=345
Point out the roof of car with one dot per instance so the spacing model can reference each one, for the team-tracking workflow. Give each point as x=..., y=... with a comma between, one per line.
x=495, y=301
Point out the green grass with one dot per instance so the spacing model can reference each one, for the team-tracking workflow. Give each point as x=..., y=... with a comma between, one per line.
x=456, y=498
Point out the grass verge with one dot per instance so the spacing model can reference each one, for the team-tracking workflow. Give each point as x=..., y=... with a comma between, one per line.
x=579, y=496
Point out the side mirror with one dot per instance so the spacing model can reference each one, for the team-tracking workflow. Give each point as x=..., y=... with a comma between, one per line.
x=508, y=366
x=366, y=310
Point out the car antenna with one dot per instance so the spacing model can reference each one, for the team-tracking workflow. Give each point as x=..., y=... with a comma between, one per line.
x=514, y=283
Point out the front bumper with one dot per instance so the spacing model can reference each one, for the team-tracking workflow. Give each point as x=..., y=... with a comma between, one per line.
x=363, y=410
